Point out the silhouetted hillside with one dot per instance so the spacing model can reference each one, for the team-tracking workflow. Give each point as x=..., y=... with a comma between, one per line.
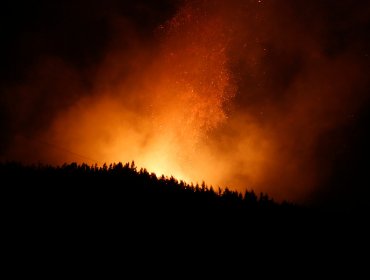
x=110, y=194
x=84, y=213
x=121, y=186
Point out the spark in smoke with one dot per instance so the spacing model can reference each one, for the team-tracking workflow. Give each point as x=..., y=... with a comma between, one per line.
x=193, y=85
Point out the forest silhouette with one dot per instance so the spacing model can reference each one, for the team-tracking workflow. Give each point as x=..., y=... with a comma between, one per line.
x=87, y=213
x=122, y=190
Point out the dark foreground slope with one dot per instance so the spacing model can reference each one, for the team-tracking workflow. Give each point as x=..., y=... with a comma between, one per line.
x=121, y=191
x=79, y=212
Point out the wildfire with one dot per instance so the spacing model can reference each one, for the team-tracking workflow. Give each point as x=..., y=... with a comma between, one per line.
x=235, y=93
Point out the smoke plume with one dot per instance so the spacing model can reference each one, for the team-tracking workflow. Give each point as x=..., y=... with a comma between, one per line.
x=239, y=94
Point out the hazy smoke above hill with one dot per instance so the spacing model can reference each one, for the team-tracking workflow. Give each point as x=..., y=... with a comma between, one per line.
x=237, y=93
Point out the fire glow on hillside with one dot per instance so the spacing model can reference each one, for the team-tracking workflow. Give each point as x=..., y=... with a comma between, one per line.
x=235, y=93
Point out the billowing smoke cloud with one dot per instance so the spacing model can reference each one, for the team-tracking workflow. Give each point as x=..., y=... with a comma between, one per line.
x=236, y=93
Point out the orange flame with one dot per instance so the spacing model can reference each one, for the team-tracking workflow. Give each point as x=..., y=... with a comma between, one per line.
x=236, y=93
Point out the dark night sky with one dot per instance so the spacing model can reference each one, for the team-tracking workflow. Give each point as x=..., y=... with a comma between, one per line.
x=75, y=38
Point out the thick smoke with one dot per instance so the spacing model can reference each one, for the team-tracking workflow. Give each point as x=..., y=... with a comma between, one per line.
x=236, y=93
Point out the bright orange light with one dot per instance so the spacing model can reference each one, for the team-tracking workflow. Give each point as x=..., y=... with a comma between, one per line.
x=235, y=93
x=166, y=114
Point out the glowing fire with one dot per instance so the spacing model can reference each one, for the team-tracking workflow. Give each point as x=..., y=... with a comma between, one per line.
x=221, y=94
x=162, y=123
x=186, y=89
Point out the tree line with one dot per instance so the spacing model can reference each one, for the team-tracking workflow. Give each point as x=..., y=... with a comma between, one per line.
x=117, y=193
